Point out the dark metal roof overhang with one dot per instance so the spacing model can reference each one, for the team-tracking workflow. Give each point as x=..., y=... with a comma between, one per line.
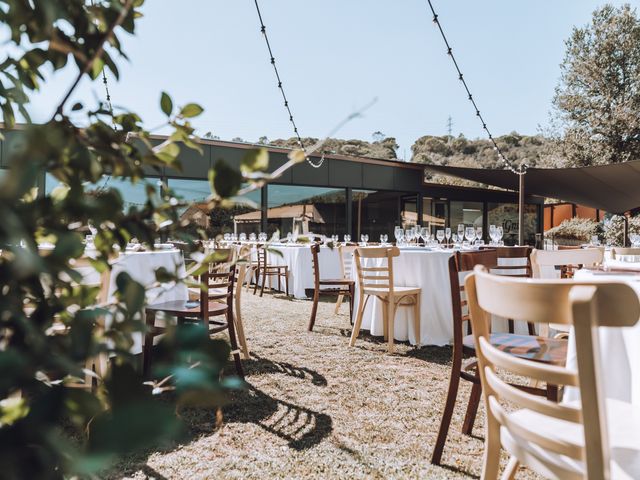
x=614, y=188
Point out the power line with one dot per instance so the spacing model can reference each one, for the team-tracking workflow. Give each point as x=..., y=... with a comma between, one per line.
x=518, y=171
x=272, y=59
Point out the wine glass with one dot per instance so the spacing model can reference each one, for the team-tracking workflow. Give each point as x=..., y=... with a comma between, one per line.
x=461, y=231
x=289, y=237
x=252, y=237
x=410, y=234
x=499, y=234
x=470, y=234
x=440, y=235
x=383, y=238
x=492, y=233
x=447, y=234
x=347, y=238
x=478, y=233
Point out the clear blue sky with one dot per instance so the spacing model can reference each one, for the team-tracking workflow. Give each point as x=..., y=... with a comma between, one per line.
x=336, y=55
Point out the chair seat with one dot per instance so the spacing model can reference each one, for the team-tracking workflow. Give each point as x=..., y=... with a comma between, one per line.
x=337, y=281
x=624, y=442
x=183, y=308
x=529, y=347
x=214, y=293
x=398, y=291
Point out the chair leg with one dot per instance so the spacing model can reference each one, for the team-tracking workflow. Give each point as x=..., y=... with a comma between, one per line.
x=147, y=348
x=351, y=295
x=356, y=327
x=510, y=325
x=447, y=414
x=491, y=458
x=416, y=319
x=532, y=328
x=472, y=409
x=338, y=303
x=385, y=321
x=233, y=340
x=286, y=280
x=279, y=284
x=255, y=285
x=314, y=309
x=264, y=281
x=511, y=469
x=391, y=330
x=242, y=340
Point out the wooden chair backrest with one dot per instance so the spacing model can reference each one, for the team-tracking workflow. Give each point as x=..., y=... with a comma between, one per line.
x=346, y=260
x=543, y=301
x=378, y=277
x=617, y=251
x=219, y=276
x=263, y=255
x=461, y=263
x=563, y=258
x=515, y=252
x=315, y=264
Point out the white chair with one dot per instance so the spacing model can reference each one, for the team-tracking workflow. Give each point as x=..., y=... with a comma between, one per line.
x=379, y=282
x=618, y=252
x=595, y=438
x=565, y=258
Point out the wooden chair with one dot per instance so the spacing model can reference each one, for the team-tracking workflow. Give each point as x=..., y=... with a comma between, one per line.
x=566, y=260
x=549, y=351
x=264, y=269
x=346, y=260
x=524, y=270
x=379, y=282
x=595, y=438
x=337, y=286
x=220, y=277
x=623, y=251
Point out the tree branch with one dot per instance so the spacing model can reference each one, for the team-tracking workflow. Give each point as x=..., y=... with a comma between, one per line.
x=89, y=65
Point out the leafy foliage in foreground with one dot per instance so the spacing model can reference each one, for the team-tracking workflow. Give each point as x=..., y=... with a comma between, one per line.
x=48, y=318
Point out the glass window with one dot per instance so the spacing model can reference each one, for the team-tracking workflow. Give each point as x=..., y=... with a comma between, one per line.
x=376, y=213
x=243, y=216
x=306, y=210
x=434, y=213
x=506, y=215
x=469, y=213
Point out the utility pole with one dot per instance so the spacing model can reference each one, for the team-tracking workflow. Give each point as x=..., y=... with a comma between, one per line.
x=450, y=128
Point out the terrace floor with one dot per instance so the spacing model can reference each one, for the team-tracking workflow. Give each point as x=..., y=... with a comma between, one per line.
x=319, y=409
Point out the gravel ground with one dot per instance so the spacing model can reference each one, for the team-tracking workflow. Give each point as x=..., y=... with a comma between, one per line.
x=319, y=409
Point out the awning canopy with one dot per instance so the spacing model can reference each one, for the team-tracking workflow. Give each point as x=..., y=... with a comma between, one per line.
x=614, y=188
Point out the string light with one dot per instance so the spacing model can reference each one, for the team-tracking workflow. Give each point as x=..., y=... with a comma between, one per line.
x=522, y=169
x=272, y=60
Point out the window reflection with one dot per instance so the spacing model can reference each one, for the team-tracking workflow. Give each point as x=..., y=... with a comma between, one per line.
x=469, y=213
x=306, y=210
x=506, y=215
x=378, y=212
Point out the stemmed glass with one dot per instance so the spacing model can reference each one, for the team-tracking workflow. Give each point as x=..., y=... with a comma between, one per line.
x=289, y=237
x=492, y=234
x=470, y=234
x=461, y=231
x=364, y=238
x=447, y=234
x=410, y=234
x=479, y=233
x=383, y=239
x=347, y=238
x=499, y=234
x=440, y=235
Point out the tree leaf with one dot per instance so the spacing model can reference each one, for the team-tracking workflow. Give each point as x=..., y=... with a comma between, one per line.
x=191, y=110
x=166, y=104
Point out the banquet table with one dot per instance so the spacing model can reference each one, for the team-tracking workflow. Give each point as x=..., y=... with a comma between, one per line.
x=299, y=260
x=619, y=348
x=429, y=270
x=141, y=266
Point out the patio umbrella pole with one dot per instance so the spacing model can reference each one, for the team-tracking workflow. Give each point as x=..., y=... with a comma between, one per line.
x=521, y=209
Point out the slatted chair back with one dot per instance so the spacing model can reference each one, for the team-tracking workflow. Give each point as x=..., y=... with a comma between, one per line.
x=543, y=301
x=315, y=265
x=510, y=253
x=219, y=277
x=618, y=252
x=567, y=260
x=263, y=256
x=346, y=259
x=460, y=265
x=376, y=277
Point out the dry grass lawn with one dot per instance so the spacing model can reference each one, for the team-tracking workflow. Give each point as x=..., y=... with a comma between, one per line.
x=319, y=409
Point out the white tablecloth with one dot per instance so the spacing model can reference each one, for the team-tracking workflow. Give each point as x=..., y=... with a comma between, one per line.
x=142, y=266
x=299, y=260
x=429, y=270
x=620, y=351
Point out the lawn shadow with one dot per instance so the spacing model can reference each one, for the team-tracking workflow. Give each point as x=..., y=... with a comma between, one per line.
x=301, y=427
x=258, y=365
x=432, y=354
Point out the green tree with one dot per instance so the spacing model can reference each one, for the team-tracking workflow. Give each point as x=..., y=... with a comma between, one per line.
x=597, y=102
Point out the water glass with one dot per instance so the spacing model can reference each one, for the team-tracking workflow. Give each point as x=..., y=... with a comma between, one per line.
x=470, y=234
x=440, y=235
x=347, y=238
x=398, y=233
x=243, y=237
x=289, y=237
x=461, y=230
x=479, y=233
x=447, y=234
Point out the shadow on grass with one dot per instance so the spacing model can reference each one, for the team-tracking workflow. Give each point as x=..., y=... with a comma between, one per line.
x=258, y=365
x=432, y=354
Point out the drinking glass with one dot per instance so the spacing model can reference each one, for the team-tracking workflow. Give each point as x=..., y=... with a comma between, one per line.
x=347, y=238
x=440, y=235
x=447, y=234
x=492, y=233
x=226, y=237
x=499, y=234
x=252, y=237
x=410, y=234
x=479, y=233
x=470, y=234
x=398, y=232
x=243, y=237
x=289, y=237
x=461, y=231
x=383, y=238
